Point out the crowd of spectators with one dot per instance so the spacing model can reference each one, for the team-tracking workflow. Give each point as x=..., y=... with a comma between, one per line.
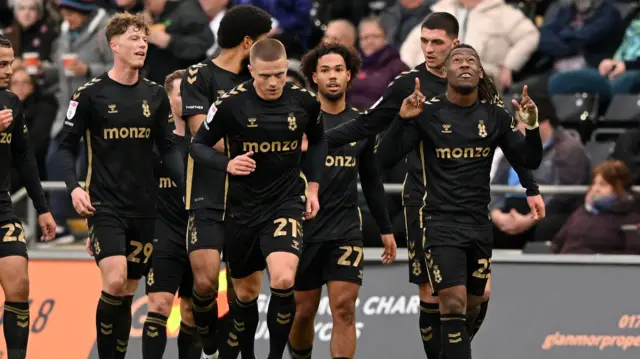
x=557, y=47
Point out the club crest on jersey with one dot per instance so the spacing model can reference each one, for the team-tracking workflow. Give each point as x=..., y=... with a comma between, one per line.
x=146, y=111
x=482, y=129
x=71, y=110
x=292, y=122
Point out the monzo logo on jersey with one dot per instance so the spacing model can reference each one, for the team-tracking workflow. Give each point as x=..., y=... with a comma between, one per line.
x=468, y=152
x=126, y=132
x=167, y=182
x=272, y=146
x=340, y=161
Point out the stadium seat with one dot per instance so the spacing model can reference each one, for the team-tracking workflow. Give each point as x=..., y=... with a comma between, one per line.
x=602, y=143
x=624, y=109
x=577, y=111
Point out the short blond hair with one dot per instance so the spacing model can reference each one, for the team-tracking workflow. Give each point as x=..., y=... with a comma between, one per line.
x=121, y=22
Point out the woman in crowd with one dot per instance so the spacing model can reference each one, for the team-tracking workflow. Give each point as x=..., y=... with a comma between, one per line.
x=607, y=223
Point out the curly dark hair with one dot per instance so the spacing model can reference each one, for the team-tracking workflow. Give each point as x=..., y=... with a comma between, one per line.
x=241, y=21
x=486, y=88
x=4, y=42
x=310, y=59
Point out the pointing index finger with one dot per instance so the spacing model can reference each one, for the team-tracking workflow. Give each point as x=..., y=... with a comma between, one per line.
x=525, y=91
x=417, y=89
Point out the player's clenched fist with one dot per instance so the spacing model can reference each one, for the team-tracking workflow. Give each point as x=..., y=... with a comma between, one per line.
x=242, y=165
x=413, y=104
x=82, y=202
x=6, y=117
x=526, y=110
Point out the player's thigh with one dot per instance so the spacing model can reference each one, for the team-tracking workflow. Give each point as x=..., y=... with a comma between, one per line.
x=242, y=250
x=205, y=230
x=309, y=276
x=479, y=262
x=415, y=245
x=281, y=242
x=140, y=236
x=446, y=264
x=345, y=261
x=108, y=241
x=14, y=267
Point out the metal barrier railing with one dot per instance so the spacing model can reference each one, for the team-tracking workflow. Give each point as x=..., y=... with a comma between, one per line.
x=392, y=188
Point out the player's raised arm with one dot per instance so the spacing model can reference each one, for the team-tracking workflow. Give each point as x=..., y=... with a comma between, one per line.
x=164, y=139
x=25, y=162
x=78, y=113
x=524, y=150
x=403, y=134
x=372, y=121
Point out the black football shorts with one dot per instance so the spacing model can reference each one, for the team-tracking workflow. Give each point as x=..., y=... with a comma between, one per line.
x=459, y=256
x=205, y=230
x=170, y=269
x=414, y=230
x=330, y=261
x=112, y=235
x=13, y=241
x=248, y=245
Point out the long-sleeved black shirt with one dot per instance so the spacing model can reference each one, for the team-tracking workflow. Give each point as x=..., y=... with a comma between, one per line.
x=456, y=146
x=15, y=150
x=120, y=124
x=273, y=131
x=339, y=216
x=379, y=117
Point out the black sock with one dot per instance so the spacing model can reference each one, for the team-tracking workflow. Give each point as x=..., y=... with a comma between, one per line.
x=245, y=320
x=455, y=340
x=16, y=329
x=107, y=315
x=479, y=319
x=188, y=347
x=228, y=344
x=154, y=336
x=430, y=329
x=282, y=310
x=205, y=314
x=123, y=328
x=300, y=353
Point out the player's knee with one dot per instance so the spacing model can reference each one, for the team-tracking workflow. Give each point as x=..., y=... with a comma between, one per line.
x=426, y=293
x=452, y=303
x=344, y=310
x=487, y=294
x=115, y=283
x=161, y=303
x=205, y=283
x=186, y=311
x=305, y=311
x=283, y=280
x=16, y=289
x=247, y=293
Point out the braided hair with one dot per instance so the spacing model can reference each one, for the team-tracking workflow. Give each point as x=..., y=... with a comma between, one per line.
x=487, y=90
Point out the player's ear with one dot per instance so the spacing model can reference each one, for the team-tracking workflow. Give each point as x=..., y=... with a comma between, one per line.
x=247, y=42
x=314, y=77
x=348, y=76
x=456, y=42
x=481, y=73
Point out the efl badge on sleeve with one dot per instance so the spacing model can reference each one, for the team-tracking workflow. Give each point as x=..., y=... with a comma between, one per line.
x=71, y=111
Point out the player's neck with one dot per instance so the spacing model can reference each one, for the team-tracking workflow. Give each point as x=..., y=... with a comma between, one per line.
x=229, y=60
x=180, y=126
x=436, y=71
x=332, y=107
x=462, y=100
x=123, y=74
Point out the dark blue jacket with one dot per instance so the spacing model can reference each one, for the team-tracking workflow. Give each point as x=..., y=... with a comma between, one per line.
x=596, y=40
x=292, y=15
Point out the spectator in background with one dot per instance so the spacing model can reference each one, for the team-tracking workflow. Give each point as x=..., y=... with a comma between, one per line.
x=31, y=31
x=291, y=23
x=617, y=75
x=597, y=226
x=341, y=31
x=39, y=112
x=627, y=150
x=131, y=6
x=215, y=10
x=380, y=65
x=398, y=20
x=81, y=53
x=180, y=37
x=578, y=36
x=502, y=35
x=564, y=162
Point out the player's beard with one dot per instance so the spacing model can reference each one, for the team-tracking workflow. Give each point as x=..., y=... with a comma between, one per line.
x=464, y=89
x=333, y=97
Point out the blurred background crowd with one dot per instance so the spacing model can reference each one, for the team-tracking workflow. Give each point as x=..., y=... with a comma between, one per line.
x=580, y=59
